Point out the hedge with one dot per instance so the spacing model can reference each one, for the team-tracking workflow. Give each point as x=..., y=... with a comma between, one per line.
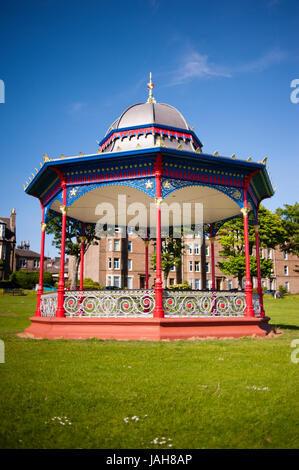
x=28, y=279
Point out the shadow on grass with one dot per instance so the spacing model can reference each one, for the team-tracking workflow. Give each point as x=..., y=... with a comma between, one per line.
x=285, y=327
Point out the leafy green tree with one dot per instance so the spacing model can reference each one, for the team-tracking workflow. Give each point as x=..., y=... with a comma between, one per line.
x=235, y=266
x=172, y=250
x=72, y=241
x=290, y=220
x=231, y=237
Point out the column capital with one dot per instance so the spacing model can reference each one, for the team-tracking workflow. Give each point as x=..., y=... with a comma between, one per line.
x=245, y=211
x=256, y=228
x=146, y=243
x=82, y=239
x=212, y=239
x=158, y=200
x=43, y=226
x=64, y=210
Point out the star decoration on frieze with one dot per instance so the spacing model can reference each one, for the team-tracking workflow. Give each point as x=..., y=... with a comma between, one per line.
x=167, y=185
x=149, y=184
x=73, y=192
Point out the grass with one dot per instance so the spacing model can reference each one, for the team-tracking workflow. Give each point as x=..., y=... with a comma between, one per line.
x=200, y=394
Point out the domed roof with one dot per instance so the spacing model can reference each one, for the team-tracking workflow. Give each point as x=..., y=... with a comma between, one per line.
x=150, y=113
x=163, y=122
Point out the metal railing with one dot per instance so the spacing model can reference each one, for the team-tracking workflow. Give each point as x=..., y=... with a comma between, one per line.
x=48, y=304
x=141, y=303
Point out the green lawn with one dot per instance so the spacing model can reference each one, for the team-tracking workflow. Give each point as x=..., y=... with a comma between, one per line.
x=239, y=393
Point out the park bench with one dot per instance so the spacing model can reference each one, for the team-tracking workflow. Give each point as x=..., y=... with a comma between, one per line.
x=15, y=291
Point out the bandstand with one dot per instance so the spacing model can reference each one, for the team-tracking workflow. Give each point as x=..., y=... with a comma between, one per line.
x=150, y=156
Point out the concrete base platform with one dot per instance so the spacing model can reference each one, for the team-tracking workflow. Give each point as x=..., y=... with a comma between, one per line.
x=151, y=329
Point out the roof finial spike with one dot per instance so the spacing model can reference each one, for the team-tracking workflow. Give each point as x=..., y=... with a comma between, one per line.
x=150, y=86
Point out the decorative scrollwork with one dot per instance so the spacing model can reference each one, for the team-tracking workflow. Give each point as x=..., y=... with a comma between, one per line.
x=201, y=304
x=103, y=303
x=48, y=304
x=141, y=303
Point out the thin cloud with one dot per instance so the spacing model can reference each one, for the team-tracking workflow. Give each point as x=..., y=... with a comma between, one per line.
x=199, y=66
x=76, y=107
x=276, y=56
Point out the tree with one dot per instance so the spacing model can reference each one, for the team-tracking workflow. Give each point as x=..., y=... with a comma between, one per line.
x=231, y=236
x=235, y=266
x=172, y=250
x=290, y=220
x=73, y=237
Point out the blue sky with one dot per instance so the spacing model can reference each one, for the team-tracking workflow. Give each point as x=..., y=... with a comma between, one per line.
x=71, y=67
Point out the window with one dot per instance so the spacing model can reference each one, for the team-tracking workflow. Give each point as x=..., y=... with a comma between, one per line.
x=207, y=267
x=230, y=284
x=285, y=255
x=116, y=245
x=207, y=251
x=116, y=264
x=36, y=263
x=209, y=284
x=196, y=249
x=286, y=270
x=190, y=249
x=172, y=268
x=263, y=284
x=129, y=230
x=116, y=229
x=110, y=244
x=196, y=266
x=190, y=266
x=287, y=285
x=130, y=265
x=109, y=263
x=116, y=281
x=191, y=283
x=130, y=282
x=109, y=281
x=2, y=231
x=197, y=283
x=269, y=253
x=22, y=262
x=130, y=247
x=243, y=283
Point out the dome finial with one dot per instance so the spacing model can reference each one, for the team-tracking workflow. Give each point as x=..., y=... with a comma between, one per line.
x=150, y=86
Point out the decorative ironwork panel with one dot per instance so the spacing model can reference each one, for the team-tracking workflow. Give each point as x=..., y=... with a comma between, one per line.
x=202, y=304
x=256, y=304
x=105, y=303
x=48, y=304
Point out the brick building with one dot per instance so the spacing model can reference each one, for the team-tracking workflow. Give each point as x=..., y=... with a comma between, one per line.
x=7, y=244
x=26, y=259
x=120, y=262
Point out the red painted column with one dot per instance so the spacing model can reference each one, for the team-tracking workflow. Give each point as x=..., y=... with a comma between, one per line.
x=82, y=257
x=212, y=239
x=41, y=264
x=60, y=290
x=146, y=261
x=249, y=312
x=258, y=267
x=158, y=310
